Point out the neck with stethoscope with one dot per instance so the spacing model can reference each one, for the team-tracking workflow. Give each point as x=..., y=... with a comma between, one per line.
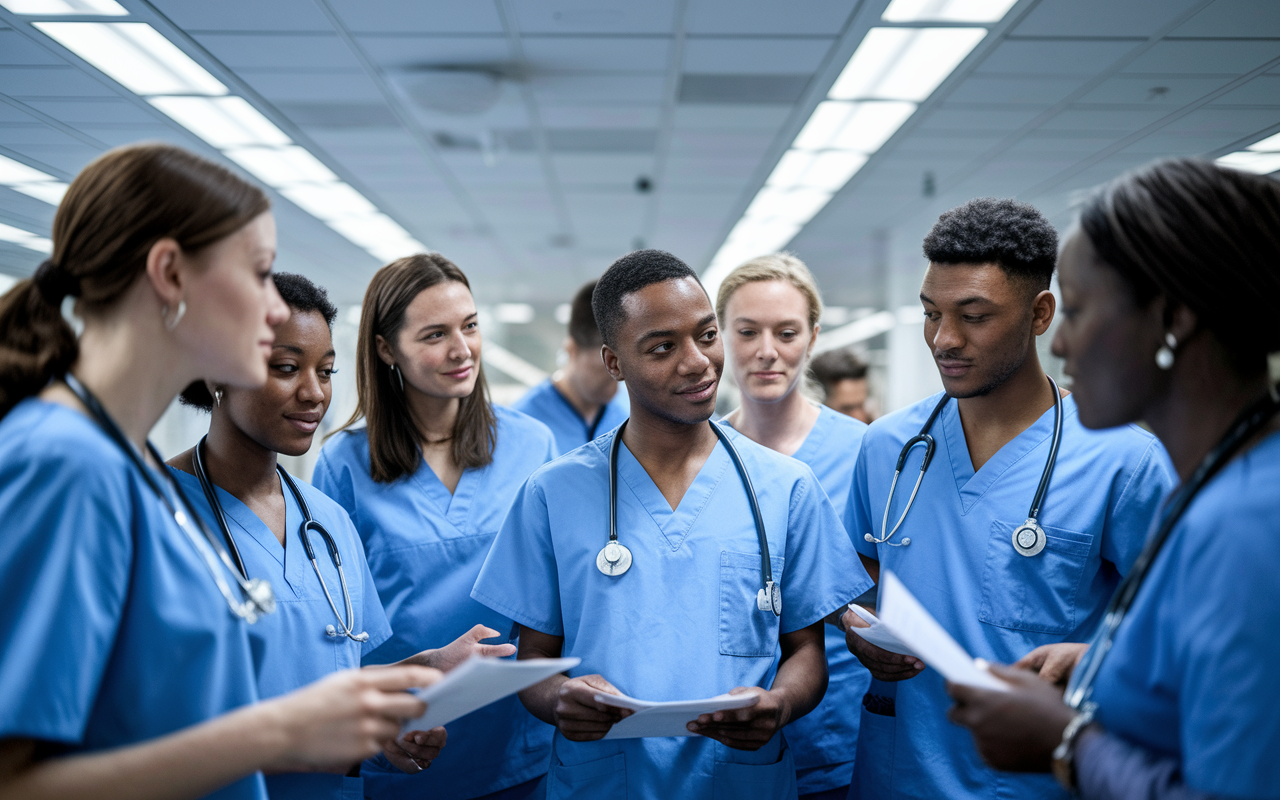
x=309, y=525
x=614, y=558
x=256, y=596
x=1028, y=538
x=1080, y=689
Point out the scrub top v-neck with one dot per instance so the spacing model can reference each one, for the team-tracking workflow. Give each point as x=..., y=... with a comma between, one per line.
x=425, y=546
x=961, y=564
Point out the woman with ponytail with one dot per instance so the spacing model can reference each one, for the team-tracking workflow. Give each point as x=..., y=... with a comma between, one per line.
x=127, y=670
x=428, y=479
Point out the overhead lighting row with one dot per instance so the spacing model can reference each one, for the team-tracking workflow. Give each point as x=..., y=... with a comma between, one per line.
x=37, y=184
x=142, y=60
x=893, y=70
x=1261, y=157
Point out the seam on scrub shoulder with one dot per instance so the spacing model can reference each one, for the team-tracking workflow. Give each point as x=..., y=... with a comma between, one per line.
x=513, y=614
x=1137, y=470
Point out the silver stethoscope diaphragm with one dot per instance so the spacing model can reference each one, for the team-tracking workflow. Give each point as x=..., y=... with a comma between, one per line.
x=613, y=559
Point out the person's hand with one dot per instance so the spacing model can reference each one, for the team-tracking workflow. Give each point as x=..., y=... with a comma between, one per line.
x=1017, y=730
x=414, y=752
x=882, y=664
x=1054, y=663
x=579, y=716
x=747, y=728
x=465, y=646
x=345, y=717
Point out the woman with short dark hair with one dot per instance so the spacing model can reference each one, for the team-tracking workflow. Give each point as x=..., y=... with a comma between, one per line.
x=1169, y=287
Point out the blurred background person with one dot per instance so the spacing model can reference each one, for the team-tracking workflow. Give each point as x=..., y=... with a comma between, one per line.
x=843, y=377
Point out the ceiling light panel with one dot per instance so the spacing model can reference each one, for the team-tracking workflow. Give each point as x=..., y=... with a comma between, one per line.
x=1262, y=157
x=31, y=181
x=904, y=63
x=870, y=125
x=99, y=8
x=26, y=239
x=947, y=10
x=136, y=55
x=222, y=121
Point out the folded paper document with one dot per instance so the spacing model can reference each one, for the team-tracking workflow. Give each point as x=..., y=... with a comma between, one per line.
x=477, y=682
x=878, y=634
x=668, y=718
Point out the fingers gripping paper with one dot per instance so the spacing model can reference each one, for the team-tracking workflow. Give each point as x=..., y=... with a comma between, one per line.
x=903, y=616
x=669, y=718
x=477, y=682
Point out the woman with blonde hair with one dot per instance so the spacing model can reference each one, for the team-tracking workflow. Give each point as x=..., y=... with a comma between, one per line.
x=769, y=309
x=428, y=479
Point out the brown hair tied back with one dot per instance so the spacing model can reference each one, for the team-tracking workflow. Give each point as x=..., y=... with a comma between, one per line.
x=114, y=211
x=1204, y=236
x=393, y=437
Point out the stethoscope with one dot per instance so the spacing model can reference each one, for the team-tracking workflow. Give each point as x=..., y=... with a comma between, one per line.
x=308, y=525
x=614, y=558
x=1080, y=687
x=256, y=596
x=1028, y=538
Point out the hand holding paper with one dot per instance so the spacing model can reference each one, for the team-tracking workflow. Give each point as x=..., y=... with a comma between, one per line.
x=670, y=718
x=478, y=682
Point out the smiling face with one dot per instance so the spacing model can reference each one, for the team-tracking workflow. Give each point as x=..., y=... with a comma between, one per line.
x=980, y=324
x=1106, y=339
x=769, y=338
x=438, y=349
x=668, y=351
x=283, y=415
x=233, y=306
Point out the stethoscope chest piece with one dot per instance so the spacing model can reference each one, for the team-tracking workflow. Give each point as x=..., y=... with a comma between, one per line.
x=770, y=599
x=1028, y=539
x=614, y=559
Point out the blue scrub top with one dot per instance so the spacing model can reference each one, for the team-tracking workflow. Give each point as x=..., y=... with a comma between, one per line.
x=682, y=623
x=999, y=605
x=425, y=547
x=290, y=647
x=1191, y=673
x=545, y=404
x=825, y=739
x=118, y=633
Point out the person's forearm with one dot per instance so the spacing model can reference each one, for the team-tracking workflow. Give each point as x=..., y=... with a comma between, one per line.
x=1109, y=768
x=540, y=699
x=187, y=764
x=802, y=677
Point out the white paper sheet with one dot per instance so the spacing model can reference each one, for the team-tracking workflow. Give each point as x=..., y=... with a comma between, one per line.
x=667, y=718
x=879, y=633
x=477, y=682
x=909, y=622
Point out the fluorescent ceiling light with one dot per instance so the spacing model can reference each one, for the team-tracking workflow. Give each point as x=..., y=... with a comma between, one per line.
x=1271, y=144
x=947, y=10
x=792, y=205
x=1251, y=161
x=833, y=169
x=222, y=121
x=562, y=313
x=101, y=8
x=513, y=313
x=282, y=166
x=50, y=192
x=827, y=120
x=31, y=181
x=904, y=63
x=329, y=201
x=379, y=234
x=27, y=239
x=136, y=55
x=791, y=168
x=871, y=124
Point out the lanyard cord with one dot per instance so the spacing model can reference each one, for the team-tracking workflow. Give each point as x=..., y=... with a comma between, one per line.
x=1250, y=421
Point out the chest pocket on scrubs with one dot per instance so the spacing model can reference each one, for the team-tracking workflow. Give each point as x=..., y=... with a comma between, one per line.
x=1038, y=593
x=745, y=630
x=605, y=777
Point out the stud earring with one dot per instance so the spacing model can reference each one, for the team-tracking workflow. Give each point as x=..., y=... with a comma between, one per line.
x=177, y=317
x=1164, y=356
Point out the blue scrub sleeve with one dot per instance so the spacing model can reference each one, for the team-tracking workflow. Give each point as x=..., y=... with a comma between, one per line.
x=857, y=509
x=1130, y=518
x=65, y=562
x=828, y=573
x=519, y=578
x=324, y=478
x=1110, y=768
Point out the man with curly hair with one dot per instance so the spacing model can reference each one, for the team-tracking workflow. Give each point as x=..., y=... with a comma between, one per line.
x=1005, y=597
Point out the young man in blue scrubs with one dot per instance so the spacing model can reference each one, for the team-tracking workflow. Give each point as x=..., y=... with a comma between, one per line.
x=581, y=400
x=986, y=298
x=683, y=620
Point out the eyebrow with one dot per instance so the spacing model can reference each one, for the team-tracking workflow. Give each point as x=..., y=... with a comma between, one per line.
x=967, y=301
x=750, y=321
x=432, y=325
x=298, y=351
x=702, y=323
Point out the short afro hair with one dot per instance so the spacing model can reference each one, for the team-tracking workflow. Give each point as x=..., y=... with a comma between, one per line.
x=1014, y=236
x=582, y=319
x=628, y=275
x=301, y=296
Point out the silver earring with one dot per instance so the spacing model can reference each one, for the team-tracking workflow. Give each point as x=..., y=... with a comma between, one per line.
x=396, y=371
x=164, y=315
x=1164, y=356
x=217, y=397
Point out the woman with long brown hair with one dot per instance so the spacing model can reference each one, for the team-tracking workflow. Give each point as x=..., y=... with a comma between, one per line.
x=127, y=669
x=428, y=479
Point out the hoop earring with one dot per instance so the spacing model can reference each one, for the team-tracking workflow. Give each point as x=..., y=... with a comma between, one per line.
x=164, y=315
x=217, y=397
x=400, y=378
x=1164, y=356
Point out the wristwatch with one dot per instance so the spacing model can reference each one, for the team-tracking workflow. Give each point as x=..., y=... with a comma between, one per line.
x=1064, y=755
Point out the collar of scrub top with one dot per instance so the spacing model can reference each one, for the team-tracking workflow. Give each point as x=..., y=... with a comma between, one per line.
x=1080, y=688
x=1028, y=538
x=256, y=596
x=615, y=558
x=308, y=525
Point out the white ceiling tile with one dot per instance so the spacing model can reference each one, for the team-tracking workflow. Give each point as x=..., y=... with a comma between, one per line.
x=1263, y=90
x=798, y=17
x=299, y=52
x=418, y=16
x=598, y=115
x=618, y=171
x=244, y=15
x=581, y=89
x=63, y=81
x=601, y=17
x=400, y=50
x=1062, y=18
x=597, y=54
x=1163, y=90
x=1040, y=91
x=730, y=117
x=1243, y=19
x=80, y=109
x=755, y=55
x=1028, y=57
x=1205, y=57
x=313, y=87
x=18, y=50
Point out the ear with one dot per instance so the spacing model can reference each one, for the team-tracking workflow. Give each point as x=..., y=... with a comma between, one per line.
x=164, y=271
x=1042, y=310
x=611, y=363
x=570, y=347
x=1180, y=320
x=385, y=353
x=813, y=340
